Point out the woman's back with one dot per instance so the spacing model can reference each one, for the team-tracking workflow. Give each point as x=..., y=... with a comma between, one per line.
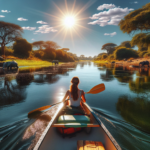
x=73, y=102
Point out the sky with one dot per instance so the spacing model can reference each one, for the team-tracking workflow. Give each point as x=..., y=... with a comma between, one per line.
x=83, y=26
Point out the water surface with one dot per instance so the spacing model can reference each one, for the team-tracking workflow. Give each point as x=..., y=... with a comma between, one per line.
x=124, y=106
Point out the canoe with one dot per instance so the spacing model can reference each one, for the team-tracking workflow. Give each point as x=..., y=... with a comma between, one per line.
x=52, y=140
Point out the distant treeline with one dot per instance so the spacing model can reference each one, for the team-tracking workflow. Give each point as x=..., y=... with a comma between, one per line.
x=48, y=50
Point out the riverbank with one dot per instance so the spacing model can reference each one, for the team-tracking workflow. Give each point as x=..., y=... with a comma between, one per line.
x=46, y=69
x=28, y=62
x=127, y=63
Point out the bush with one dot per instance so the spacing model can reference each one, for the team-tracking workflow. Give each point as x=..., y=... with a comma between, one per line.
x=60, y=54
x=38, y=54
x=122, y=52
x=22, y=48
x=141, y=54
x=49, y=54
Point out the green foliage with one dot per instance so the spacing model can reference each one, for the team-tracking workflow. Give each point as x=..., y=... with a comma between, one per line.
x=126, y=44
x=141, y=54
x=104, y=56
x=122, y=52
x=111, y=57
x=22, y=48
x=38, y=54
x=8, y=52
x=49, y=54
x=142, y=40
x=136, y=20
x=146, y=54
x=60, y=54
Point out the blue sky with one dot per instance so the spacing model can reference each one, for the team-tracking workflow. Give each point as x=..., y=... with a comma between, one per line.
x=96, y=21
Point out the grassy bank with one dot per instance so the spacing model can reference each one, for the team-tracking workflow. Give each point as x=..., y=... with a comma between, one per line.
x=30, y=62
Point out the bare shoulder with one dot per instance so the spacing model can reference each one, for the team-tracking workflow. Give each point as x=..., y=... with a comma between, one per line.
x=82, y=92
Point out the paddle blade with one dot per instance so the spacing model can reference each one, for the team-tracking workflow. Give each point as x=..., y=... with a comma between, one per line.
x=40, y=109
x=97, y=89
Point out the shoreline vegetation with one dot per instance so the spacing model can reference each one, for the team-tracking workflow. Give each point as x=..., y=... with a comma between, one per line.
x=132, y=62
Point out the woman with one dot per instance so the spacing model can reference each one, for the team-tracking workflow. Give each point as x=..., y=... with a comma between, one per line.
x=75, y=94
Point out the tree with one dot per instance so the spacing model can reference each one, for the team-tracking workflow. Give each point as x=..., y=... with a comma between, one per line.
x=122, y=52
x=51, y=45
x=136, y=20
x=22, y=48
x=9, y=32
x=141, y=40
x=109, y=47
x=126, y=44
x=38, y=44
x=59, y=54
x=65, y=49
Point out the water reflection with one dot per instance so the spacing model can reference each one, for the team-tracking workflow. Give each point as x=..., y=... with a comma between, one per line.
x=24, y=79
x=135, y=110
x=142, y=82
x=108, y=76
x=48, y=78
x=11, y=93
x=122, y=75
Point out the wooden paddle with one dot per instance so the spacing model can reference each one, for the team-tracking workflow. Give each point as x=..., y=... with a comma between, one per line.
x=96, y=89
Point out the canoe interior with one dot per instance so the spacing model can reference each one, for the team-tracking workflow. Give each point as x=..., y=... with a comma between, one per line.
x=55, y=141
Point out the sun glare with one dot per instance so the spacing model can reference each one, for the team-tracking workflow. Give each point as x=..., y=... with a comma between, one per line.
x=69, y=21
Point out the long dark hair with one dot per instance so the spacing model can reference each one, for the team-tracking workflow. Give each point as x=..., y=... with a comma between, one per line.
x=74, y=87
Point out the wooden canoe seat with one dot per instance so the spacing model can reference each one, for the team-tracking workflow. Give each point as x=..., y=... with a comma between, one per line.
x=89, y=145
x=75, y=125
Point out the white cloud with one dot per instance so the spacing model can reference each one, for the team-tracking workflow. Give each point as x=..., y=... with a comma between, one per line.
x=29, y=28
x=46, y=29
x=134, y=2
x=32, y=39
x=22, y=19
x=1, y=16
x=111, y=34
x=105, y=6
x=41, y=22
x=5, y=11
x=110, y=17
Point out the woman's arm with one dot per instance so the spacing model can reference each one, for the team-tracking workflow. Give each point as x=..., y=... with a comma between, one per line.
x=66, y=95
x=83, y=96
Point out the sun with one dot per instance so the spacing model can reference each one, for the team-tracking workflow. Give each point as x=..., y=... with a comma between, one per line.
x=69, y=21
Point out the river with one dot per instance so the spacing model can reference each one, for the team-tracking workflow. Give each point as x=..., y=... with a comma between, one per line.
x=124, y=106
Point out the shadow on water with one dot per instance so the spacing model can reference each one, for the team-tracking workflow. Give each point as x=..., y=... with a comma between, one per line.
x=135, y=110
x=11, y=93
x=49, y=78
